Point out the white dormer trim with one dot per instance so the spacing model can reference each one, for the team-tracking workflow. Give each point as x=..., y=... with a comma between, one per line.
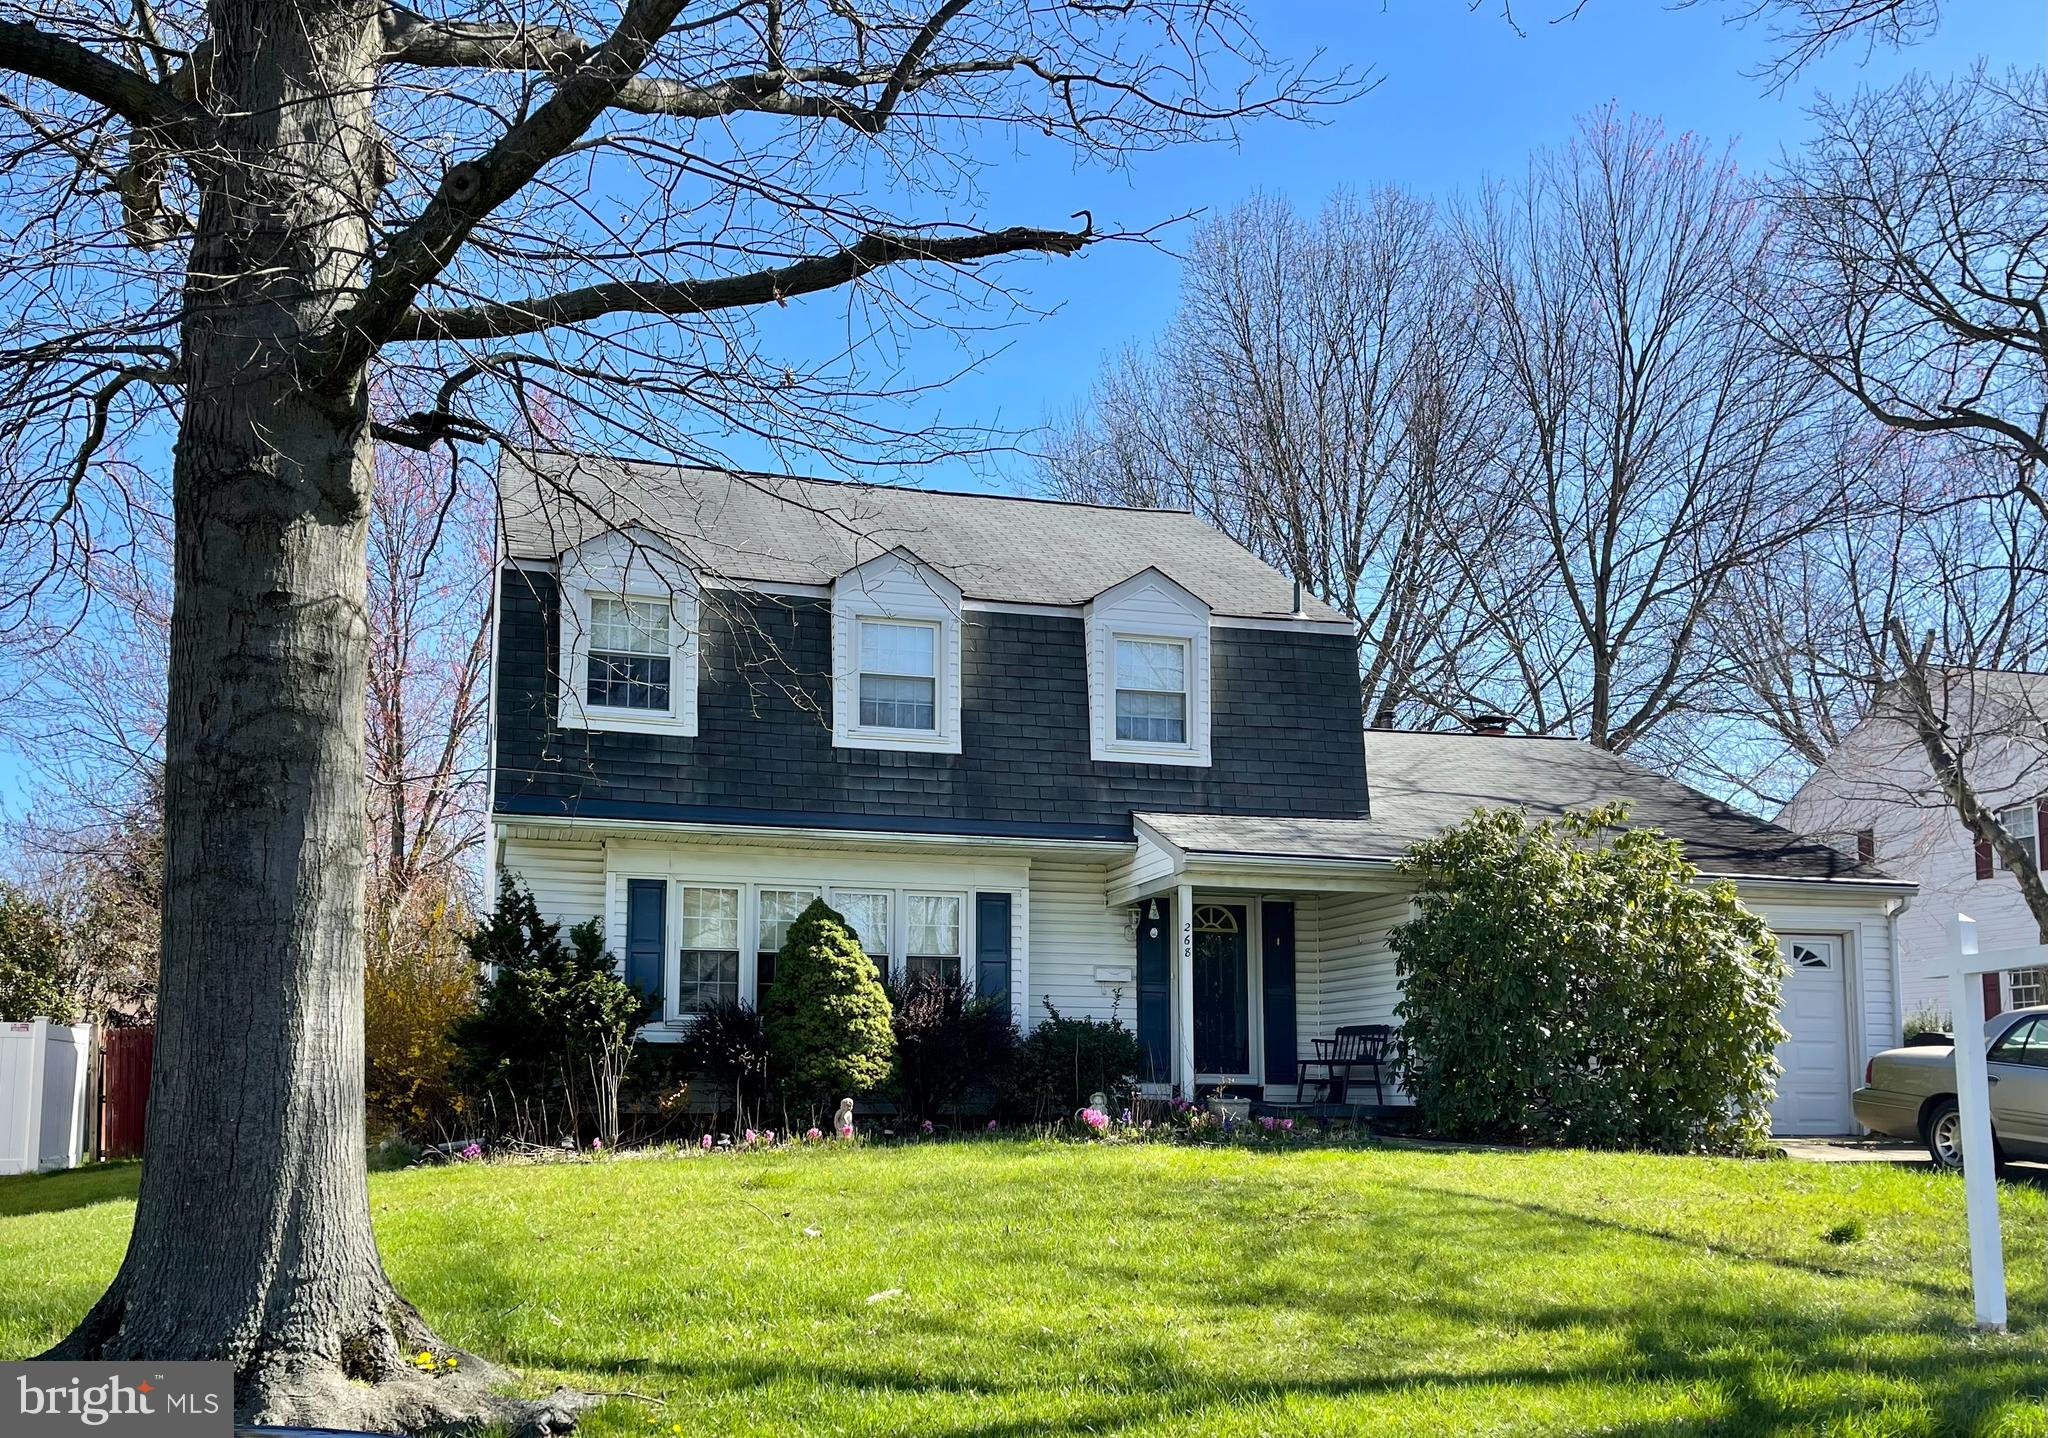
x=632, y=566
x=1147, y=606
x=901, y=588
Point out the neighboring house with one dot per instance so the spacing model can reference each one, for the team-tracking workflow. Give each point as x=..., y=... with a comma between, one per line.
x=1102, y=759
x=1876, y=797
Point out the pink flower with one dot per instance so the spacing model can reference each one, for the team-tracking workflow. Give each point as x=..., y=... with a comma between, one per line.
x=846, y=1131
x=1287, y=1125
x=1268, y=1123
x=1095, y=1118
x=472, y=1153
x=991, y=1125
x=813, y=1135
x=751, y=1136
x=768, y=1135
x=596, y=1145
x=925, y=1127
x=707, y=1143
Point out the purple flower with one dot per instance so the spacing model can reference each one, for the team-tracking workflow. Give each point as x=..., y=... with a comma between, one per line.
x=1126, y=1118
x=925, y=1127
x=1268, y=1123
x=991, y=1125
x=1287, y=1125
x=472, y=1153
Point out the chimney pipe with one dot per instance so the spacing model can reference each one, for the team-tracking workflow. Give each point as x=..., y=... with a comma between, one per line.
x=1493, y=726
x=1298, y=610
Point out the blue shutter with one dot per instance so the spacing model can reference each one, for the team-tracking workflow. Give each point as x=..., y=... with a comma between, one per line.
x=992, y=946
x=1276, y=924
x=646, y=916
x=1155, y=939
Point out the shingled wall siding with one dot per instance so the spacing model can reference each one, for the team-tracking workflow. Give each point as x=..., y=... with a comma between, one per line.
x=1285, y=731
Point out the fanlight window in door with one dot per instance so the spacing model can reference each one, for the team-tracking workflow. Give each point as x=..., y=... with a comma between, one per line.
x=1215, y=919
x=1809, y=958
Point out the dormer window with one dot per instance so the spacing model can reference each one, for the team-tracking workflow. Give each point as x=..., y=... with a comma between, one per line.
x=899, y=669
x=896, y=656
x=628, y=638
x=1148, y=673
x=1152, y=691
x=630, y=661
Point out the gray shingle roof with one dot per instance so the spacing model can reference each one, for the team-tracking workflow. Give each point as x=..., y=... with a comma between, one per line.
x=1422, y=784
x=782, y=529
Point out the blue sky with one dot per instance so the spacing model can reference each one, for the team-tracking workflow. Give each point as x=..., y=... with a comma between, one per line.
x=1462, y=96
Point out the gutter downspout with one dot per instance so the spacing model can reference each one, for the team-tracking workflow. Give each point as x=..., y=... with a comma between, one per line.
x=1894, y=910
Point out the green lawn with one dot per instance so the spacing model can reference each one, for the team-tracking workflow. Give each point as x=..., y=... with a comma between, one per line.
x=1013, y=1290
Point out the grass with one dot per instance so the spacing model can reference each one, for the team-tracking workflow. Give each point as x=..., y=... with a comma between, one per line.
x=1024, y=1290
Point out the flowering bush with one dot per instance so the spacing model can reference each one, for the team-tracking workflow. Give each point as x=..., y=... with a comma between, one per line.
x=1096, y=1119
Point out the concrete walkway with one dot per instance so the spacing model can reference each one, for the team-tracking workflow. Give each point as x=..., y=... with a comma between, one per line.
x=1853, y=1150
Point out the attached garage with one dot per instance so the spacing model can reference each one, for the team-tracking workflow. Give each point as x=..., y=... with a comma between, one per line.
x=1817, y=1068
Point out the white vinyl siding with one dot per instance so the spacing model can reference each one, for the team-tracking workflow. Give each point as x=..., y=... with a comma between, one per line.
x=566, y=879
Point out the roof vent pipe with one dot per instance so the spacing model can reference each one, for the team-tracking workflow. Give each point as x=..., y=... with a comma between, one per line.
x=1493, y=726
x=1298, y=610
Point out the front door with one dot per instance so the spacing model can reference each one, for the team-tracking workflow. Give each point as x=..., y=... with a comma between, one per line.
x=1813, y=1082
x=1223, y=1029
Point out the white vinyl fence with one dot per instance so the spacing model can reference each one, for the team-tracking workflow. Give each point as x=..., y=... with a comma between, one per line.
x=44, y=1068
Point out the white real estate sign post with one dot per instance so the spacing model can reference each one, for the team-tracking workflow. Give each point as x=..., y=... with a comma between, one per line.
x=1966, y=970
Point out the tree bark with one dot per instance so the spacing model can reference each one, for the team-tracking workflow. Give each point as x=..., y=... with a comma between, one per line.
x=252, y=1240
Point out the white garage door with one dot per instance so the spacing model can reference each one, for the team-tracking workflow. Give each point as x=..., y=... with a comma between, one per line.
x=1813, y=1089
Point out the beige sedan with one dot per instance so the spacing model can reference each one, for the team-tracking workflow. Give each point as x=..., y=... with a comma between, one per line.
x=1911, y=1092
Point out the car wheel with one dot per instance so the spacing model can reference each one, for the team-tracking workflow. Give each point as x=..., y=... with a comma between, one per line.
x=1943, y=1131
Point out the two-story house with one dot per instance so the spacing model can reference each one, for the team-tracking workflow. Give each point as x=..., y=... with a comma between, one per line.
x=1101, y=758
x=1876, y=796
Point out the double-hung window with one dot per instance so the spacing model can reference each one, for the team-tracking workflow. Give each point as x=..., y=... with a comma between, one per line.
x=2018, y=821
x=935, y=928
x=710, y=949
x=779, y=909
x=868, y=911
x=899, y=673
x=1152, y=691
x=631, y=653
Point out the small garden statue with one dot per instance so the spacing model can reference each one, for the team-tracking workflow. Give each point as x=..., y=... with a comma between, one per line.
x=843, y=1120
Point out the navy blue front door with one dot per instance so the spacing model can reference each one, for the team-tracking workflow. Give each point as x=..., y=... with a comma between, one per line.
x=1223, y=1031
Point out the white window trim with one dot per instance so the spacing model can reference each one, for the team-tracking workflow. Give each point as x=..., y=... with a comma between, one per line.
x=893, y=940
x=1147, y=607
x=630, y=567
x=2031, y=838
x=672, y=1010
x=900, y=961
x=898, y=587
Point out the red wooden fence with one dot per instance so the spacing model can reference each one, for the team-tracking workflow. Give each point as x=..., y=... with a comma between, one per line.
x=124, y=1089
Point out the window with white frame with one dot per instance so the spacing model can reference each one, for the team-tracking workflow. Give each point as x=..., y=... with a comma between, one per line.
x=899, y=675
x=631, y=655
x=2029, y=987
x=867, y=910
x=629, y=651
x=710, y=944
x=779, y=909
x=1152, y=691
x=2018, y=821
x=896, y=656
x=934, y=939
x=1149, y=662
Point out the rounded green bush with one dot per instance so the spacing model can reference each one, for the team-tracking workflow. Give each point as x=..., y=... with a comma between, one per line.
x=826, y=1018
x=1571, y=981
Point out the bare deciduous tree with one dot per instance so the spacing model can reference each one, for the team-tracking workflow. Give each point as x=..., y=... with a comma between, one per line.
x=1655, y=446
x=1914, y=261
x=281, y=230
x=1322, y=397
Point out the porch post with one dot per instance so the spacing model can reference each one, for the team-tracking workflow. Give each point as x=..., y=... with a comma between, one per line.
x=1184, y=991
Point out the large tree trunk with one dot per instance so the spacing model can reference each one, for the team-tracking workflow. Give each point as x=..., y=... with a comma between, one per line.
x=252, y=1239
